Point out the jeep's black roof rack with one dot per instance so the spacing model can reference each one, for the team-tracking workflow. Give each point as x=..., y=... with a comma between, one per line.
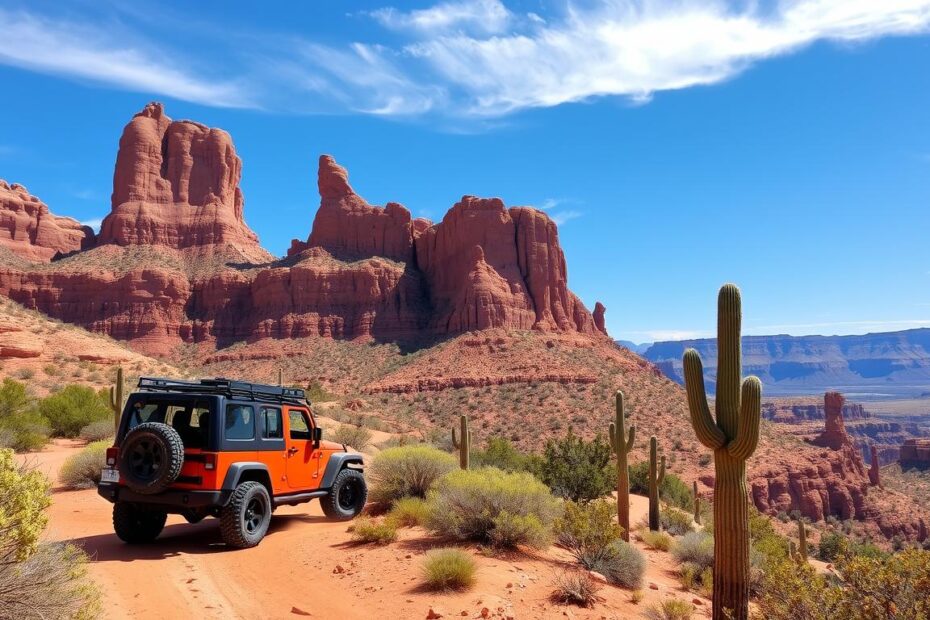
x=225, y=387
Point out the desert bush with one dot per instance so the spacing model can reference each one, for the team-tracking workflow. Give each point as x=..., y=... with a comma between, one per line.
x=22, y=427
x=368, y=530
x=50, y=583
x=316, y=393
x=695, y=548
x=672, y=490
x=409, y=512
x=492, y=506
x=670, y=609
x=502, y=454
x=623, y=565
x=98, y=431
x=23, y=500
x=82, y=470
x=449, y=569
x=660, y=541
x=407, y=471
x=357, y=437
x=577, y=469
x=833, y=546
x=588, y=530
x=576, y=587
x=72, y=408
x=676, y=522
x=896, y=585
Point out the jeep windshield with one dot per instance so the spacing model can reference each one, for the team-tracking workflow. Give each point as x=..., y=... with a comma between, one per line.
x=190, y=417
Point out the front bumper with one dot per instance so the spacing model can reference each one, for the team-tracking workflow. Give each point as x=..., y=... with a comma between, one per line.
x=177, y=499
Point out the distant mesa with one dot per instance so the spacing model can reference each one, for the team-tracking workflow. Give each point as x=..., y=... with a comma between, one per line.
x=915, y=453
x=28, y=229
x=176, y=263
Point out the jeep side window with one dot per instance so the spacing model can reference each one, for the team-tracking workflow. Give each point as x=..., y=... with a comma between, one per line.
x=240, y=422
x=299, y=427
x=271, y=423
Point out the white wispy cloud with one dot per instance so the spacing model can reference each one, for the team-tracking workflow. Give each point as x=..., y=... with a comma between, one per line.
x=560, y=217
x=634, y=48
x=83, y=51
x=482, y=16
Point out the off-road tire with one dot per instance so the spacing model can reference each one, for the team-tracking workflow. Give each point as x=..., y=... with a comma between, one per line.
x=240, y=524
x=135, y=525
x=150, y=458
x=347, y=497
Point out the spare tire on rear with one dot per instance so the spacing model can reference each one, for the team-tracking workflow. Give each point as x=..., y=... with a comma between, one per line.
x=150, y=458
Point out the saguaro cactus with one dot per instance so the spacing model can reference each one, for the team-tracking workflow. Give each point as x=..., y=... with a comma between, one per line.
x=621, y=444
x=656, y=476
x=116, y=398
x=733, y=436
x=462, y=443
x=875, y=476
x=281, y=377
x=697, y=503
x=802, y=540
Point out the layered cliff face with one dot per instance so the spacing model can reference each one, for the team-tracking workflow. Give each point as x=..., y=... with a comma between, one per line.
x=915, y=453
x=176, y=184
x=30, y=231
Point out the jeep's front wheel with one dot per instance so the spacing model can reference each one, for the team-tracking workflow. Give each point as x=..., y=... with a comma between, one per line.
x=136, y=525
x=347, y=497
x=244, y=520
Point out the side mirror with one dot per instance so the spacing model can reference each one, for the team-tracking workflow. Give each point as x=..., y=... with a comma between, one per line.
x=317, y=436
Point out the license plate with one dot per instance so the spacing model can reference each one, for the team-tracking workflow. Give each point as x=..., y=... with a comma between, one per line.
x=109, y=475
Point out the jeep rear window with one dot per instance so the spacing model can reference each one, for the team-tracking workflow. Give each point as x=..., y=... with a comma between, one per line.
x=190, y=420
x=271, y=423
x=240, y=422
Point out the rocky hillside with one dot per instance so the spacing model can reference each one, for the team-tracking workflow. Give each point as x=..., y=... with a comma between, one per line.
x=892, y=363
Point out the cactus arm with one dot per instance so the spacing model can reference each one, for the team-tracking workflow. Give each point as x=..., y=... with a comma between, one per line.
x=455, y=442
x=707, y=431
x=629, y=442
x=112, y=398
x=661, y=477
x=747, y=437
x=612, y=434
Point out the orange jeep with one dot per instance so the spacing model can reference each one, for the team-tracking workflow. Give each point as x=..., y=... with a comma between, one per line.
x=227, y=449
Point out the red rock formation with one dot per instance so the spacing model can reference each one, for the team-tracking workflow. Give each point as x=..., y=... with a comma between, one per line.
x=874, y=470
x=346, y=225
x=599, y=311
x=30, y=231
x=915, y=453
x=176, y=183
x=834, y=435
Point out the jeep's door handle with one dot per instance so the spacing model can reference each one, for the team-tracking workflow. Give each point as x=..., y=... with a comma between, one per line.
x=292, y=450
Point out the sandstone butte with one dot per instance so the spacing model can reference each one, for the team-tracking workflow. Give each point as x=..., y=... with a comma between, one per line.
x=28, y=230
x=176, y=263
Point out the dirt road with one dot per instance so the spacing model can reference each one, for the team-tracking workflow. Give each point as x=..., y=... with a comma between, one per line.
x=307, y=567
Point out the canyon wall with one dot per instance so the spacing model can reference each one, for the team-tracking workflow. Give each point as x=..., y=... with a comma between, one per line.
x=29, y=231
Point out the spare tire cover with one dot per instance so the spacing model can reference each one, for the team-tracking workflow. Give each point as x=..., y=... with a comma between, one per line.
x=150, y=458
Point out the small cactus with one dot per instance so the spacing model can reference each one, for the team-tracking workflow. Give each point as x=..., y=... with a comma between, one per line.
x=116, y=398
x=656, y=476
x=802, y=541
x=462, y=443
x=875, y=476
x=697, y=503
x=281, y=377
x=621, y=444
x=733, y=435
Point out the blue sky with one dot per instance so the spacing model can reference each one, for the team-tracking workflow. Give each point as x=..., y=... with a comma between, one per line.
x=783, y=145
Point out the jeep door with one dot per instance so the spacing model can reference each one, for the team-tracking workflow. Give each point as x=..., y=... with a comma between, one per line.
x=303, y=461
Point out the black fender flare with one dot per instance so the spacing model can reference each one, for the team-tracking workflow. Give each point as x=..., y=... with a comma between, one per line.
x=337, y=462
x=236, y=471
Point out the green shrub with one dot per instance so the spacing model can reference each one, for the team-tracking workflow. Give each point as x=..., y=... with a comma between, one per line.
x=672, y=490
x=22, y=427
x=407, y=471
x=696, y=548
x=409, y=512
x=576, y=587
x=23, y=500
x=676, y=522
x=82, y=470
x=660, y=541
x=357, y=437
x=492, y=506
x=623, y=565
x=98, y=431
x=670, y=609
x=577, y=469
x=502, y=454
x=368, y=530
x=833, y=546
x=449, y=569
x=72, y=408
x=588, y=530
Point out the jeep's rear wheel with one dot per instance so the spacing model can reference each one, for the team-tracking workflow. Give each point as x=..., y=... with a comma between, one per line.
x=244, y=520
x=135, y=525
x=347, y=497
x=150, y=457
